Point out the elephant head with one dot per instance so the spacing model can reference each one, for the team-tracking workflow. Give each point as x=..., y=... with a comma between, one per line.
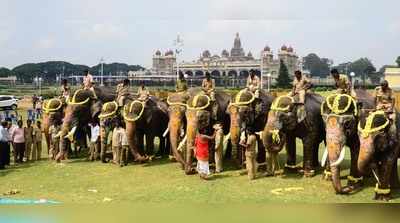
x=374, y=138
x=53, y=113
x=281, y=118
x=81, y=108
x=198, y=117
x=339, y=112
x=176, y=113
x=108, y=115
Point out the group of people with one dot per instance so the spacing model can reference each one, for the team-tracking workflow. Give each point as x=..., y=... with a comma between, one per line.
x=25, y=141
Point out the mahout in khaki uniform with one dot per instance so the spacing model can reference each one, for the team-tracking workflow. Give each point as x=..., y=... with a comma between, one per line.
x=385, y=101
x=143, y=93
x=208, y=88
x=301, y=85
x=342, y=83
x=88, y=83
x=253, y=83
x=123, y=92
x=181, y=84
x=250, y=144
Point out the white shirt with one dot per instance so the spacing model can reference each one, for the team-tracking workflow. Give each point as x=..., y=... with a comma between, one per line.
x=4, y=135
x=94, y=133
x=124, y=139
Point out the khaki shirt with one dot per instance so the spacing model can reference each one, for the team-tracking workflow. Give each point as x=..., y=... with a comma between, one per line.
x=302, y=84
x=208, y=85
x=253, y=84
x=117, y=137
x=122, y=90
x=64, y=91
x=181, y=85
x=28, y=132
x=251, y=144
x=37, y=134
x=143, y=92
x=383, y=97
x=343, y=83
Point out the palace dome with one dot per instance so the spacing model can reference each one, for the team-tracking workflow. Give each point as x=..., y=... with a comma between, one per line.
x=169, y=53
x=225, y=53
x=284, y=48
x=267, y=49
x=206, y=53
x=158, y=53
x=249, y=54
x=290, y=49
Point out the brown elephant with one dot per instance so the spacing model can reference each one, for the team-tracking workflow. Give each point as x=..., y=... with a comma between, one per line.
x=282, y=129
x=82, y=107
x=379, y=151
x=177, y=123
x=199, y=115
x=340, y=114
x=53, y=113
x=146, y=119
x=247, y=111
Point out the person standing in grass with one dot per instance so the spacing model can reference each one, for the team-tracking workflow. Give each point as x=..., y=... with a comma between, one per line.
x=202, y=146
x=250, y=152
x=55, y=139
x=28, y=139
x=37, y=142
x=4, y=145
x=117, y=140
x=219, y=146
x=18, y=140
x=123, y=161
x=94, y=140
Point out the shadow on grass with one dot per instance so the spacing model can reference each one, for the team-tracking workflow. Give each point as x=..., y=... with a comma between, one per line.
x=14, y=168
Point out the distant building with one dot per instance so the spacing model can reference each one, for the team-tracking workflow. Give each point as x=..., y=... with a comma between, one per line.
x=234, y=64
x=392, y=75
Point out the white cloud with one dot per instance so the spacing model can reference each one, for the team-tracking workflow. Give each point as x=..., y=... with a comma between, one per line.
x=45, y=43
x=104, y=31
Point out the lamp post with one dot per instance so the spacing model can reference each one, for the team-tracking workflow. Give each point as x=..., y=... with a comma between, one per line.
x=268, y=81
x=101, y=71
x=352, y=75
x=178, y=43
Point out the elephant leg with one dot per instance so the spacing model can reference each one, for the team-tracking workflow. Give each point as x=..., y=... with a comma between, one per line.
x=394, y=179
x=308, y=154
x=355, y=177
x=149, y=144
x=291, y=154
x=140, y=143
x=189, y=158
x=382, y=188
x=228, y=152
x=161, y=147
x=315, y=151
x=261, y=154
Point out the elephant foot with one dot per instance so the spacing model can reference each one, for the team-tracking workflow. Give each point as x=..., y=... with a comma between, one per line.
x=292, y=168
x=172, y=158
x=308, y=173
x=142, y=159
x=345, y=190
x=190, y=171
x=382, y=197
x=355, y=183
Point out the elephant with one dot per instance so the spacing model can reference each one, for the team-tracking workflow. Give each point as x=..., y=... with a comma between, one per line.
x=340, y=115
x=146, y=118
x=82, y=107
x=177, y=123
x=246, y=110
x=199, y=115
x=282, y=128
x=379, y=151
x=53, y=113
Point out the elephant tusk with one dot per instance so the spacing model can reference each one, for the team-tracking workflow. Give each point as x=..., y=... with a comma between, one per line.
x=165, y=132
x=226, y=138
x=324, y=156
x=376, y=176
x=242, y=136
x=260, y=133
x=341, y=157
x=70, y=134
x=182, y=144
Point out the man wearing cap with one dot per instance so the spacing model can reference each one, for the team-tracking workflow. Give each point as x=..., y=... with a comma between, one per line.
x=301, y=85
x=253, y=83
x=123, y=91
x=385, y=101
x=342, y=83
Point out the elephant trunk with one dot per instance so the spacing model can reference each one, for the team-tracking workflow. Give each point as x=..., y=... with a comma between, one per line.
x=366, y=151
x=191, y=131
x=235, y=136
x=131, y=137
x=175, y=125
x=46, y=127
x=68, y=123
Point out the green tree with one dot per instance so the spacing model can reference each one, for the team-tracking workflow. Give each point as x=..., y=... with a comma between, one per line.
x=398, y=61
x=5, y=72
x=316, y=65
x=283, y=80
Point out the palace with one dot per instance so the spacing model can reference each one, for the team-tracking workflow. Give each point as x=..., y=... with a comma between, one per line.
x=235, y=64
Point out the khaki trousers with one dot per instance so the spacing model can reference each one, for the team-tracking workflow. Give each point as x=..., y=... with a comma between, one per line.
x=251, y=164
x=28, y=149
x=37, y=150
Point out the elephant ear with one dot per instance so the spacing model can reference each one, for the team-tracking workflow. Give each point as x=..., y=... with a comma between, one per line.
x=95, y=109
x=81, y=97
x=109, y=110
x=283, y=103
x=133, y=111
x=374, y=122
x=52, y=105
x=178, y=98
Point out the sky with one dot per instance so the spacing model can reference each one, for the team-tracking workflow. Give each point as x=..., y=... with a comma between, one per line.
x=130, y=31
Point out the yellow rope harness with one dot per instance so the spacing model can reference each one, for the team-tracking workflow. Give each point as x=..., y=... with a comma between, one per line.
x=354, y=179
x=275, y=104
x=381, y=191
x=275, y=136
x=368, y=129
x=194, y=103
x=73, y=99
x=175, y=103
x=239, y=95
x=47, y=108
x=104, y=108
x=125, y=115
x=334, y=106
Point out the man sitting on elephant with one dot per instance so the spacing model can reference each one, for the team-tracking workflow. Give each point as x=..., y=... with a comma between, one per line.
x=143, y=93
x=208, y=87
x=342, y=83
x=181, y=84
x=123, y=91
x=385, y=101
x=301, y=85
x=253, y=83
x=88, y=83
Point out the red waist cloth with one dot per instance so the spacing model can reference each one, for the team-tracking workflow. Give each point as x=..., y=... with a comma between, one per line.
x=201, y=148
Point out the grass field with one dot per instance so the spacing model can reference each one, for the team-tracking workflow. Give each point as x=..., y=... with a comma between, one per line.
x=82, y=182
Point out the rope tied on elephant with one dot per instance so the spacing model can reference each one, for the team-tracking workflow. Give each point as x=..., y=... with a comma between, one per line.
x=238, y=97
x=170, y=103
x=275, y=136
x=130, y=108
x=48, y=103
x=278, y=104
x=195, y=101
x=368, y=128
x=73, y=99
x=333, y=103
x=381, y=191
x=105, y=110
